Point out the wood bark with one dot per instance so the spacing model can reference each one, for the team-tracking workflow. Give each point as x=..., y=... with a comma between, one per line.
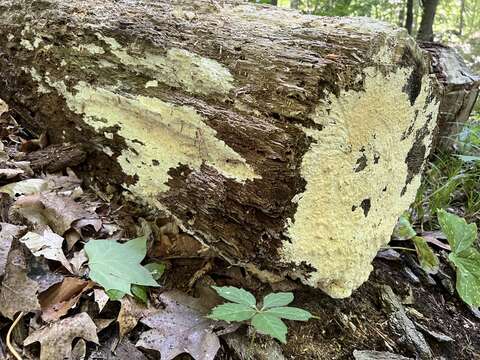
x=409, y=18
x=460, y=89
x=287, y=143
x=425, y=32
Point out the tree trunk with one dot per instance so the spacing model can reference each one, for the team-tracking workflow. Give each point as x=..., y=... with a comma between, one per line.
x=425, y=33
x=409, y=19
x=460, y=88
x=462, y=17
x=290, y=154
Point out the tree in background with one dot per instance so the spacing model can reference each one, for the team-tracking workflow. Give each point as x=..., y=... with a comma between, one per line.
x=425, y=32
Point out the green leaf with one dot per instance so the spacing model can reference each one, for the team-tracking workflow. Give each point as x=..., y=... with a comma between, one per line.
x=236, y=295
x=156, y=269
x=271, y=325
x=290, y=313
x=460, y=235
x=115, y=295
x=427, y=258
x=468, y=275
x=277, y=299
x=232, y=312
x=404, y=230
x=117, y=266
x=140, y=292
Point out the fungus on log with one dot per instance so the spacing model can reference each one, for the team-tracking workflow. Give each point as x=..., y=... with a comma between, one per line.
x=459, y=88
x=288, y=143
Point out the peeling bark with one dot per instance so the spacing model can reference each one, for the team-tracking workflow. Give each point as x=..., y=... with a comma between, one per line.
x=460, y=88
x=288, y=143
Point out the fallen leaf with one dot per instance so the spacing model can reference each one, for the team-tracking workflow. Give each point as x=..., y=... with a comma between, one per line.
x=102, y=324
x=101, y=298
x=79, y=351
x=124, y=350
x=58, y=212
x=25, y=187
x=79, y=258
x=8, y=233
x=60, y=298
x=131, y=311
x=48, y=245
x=10, y=173
x=18, y=292
x=117, y=266
x=180, y=328
x=56, y=339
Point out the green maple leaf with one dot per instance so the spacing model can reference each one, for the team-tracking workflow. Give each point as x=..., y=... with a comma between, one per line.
x=117, y=266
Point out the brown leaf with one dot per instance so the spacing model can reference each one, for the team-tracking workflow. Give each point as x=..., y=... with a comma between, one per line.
x=181, y=327
x=56, y=339
x=58, y=212
x=8, y=233
x=18, y=292
x=60, y=298
x=131, y=311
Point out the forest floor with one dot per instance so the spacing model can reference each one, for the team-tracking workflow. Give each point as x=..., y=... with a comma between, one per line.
x=61, y=314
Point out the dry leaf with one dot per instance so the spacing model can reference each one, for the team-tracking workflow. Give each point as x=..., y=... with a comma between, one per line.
x=131, y=311
x=56, y=339
x=48, y=245
x=10, y=173
x=181, y=327
x=79, y=258
x=79, y=351
x=58, y=212
x=18, y=292
x=101, y=298
x=102, y=324
x=60, y=298
x=8, y=233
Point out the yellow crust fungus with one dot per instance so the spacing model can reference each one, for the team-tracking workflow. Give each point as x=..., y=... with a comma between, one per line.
x=160, y=136
x=355, y=171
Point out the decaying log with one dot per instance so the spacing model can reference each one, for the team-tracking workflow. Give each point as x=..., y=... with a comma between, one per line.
x=459, y=87
x=56, y=157
x=288, y=143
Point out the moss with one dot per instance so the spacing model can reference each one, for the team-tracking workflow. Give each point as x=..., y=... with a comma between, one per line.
x=345, y=215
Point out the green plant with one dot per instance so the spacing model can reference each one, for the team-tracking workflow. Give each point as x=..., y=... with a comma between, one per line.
x=266, y=319
x=464, y=256
x=117, y=267
x=426, y=257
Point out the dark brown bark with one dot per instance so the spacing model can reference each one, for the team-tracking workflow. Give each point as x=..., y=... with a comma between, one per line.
x=409, y=18
x=425, y=32
x=56, y=157
x=227, y=89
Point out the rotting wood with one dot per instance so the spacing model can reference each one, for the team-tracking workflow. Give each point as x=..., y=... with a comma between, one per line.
x=288, y=143
x=460, y=88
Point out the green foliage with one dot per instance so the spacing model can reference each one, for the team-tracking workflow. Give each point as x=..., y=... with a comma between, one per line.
x=265, y=319
x=465, y=256
x=117, y=266
x=427, y=258
x=404, y=230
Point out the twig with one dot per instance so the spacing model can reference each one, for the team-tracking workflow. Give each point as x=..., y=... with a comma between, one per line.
x=9, y=334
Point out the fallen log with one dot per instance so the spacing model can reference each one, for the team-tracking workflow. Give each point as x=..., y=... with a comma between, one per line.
x=288, y=143
x=459, y=87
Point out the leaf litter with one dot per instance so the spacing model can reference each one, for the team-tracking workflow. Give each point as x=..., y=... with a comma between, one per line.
x=45, y=273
